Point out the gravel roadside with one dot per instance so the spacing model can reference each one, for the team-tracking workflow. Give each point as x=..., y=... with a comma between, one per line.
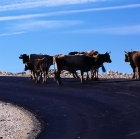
x=17, y=122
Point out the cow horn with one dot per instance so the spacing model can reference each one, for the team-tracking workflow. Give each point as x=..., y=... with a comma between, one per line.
x=125, y=51
x=108, y=52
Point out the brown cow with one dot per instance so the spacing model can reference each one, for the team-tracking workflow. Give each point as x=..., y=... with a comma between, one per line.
x=134, y=59
x=39, y=67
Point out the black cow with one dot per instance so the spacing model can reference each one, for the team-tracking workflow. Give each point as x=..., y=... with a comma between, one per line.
x=101, y=58
x=94, y=70
x=31, y=57
x=77, y=62
x=74, y=73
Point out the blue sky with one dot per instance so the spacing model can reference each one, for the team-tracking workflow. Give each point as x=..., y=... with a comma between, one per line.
x=60, y=26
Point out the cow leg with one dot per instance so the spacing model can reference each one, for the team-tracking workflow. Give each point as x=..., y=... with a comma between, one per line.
x=30, y=76
x=96, y=75
x=44, y=77
x=91, y=74
x=38, y=75
x=57, y=77
x=87, y=77
x=47, y=76
x=134, y=73
x=82, y=79
x=97, y=70
x=33, y=74
x=36, y=81
x=138, y=72
x=75, y=74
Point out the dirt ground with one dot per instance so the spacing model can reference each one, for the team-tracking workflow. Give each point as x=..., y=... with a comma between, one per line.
x=105, y=109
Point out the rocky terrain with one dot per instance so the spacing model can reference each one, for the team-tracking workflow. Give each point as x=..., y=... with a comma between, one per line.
x=65, y=74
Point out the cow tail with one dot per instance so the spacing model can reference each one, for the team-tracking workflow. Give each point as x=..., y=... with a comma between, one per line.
x=103, y=68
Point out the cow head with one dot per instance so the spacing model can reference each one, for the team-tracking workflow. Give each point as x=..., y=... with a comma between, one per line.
x=103, y=57
x=24, y=57
x=107, y=57
x=55, y=76
x=127, y=54
x=28, y=66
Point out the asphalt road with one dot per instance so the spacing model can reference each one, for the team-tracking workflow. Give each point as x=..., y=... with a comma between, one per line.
x=95, y=110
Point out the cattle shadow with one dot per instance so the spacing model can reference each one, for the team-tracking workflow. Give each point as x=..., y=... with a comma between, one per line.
x=118, y=80
x=77, y=82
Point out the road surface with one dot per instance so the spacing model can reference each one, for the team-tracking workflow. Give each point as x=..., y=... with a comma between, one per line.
x=108, y=109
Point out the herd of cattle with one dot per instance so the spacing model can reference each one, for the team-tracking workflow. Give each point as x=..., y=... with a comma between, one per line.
x=39, y=64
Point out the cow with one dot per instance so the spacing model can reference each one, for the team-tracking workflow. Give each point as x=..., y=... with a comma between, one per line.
x=39, y=66
x=101, y=58
x=134, y=58
x=94, y=70
x=31, y=57
x=74, y=73
x=83, y=63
